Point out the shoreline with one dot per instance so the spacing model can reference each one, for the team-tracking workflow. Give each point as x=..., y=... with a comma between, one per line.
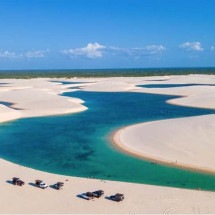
x=36, y=98
x=118, y=144
x=32, y=200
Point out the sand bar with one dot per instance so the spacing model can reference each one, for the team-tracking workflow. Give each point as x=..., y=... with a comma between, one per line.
x=185, y=142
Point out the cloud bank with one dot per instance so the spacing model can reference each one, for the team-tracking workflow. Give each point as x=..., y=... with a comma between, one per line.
x=35, y=54
x=191, y=46
x=29, y=54
x=92, y=50
x=96, y=50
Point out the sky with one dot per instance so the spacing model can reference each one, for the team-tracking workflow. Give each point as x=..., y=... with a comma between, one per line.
x=94, y=34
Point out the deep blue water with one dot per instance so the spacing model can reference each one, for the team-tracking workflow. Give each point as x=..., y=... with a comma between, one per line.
x=78, y=144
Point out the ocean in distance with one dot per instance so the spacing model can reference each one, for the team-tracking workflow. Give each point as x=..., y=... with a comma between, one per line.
x=69, y=73
x=79, y=144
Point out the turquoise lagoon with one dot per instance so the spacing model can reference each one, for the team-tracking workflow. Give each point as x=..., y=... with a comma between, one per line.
x=79, y=144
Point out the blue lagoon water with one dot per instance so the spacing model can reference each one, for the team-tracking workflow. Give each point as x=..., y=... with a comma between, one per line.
x=79, y=144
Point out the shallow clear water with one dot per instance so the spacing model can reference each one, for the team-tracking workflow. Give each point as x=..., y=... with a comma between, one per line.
x=78, y=144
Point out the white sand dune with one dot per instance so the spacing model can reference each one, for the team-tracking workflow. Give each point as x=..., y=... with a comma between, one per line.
x=190, y=141
x=33, y=98
x=8, y=114
x=186, y=142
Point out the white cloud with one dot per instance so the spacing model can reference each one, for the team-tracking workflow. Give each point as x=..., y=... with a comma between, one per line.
x=137, y=52
x=96, y=50
x=8, y=54
x=191, y=46
x=154, y=49
x=35, y=54
x=92, y=50
x=28, y=54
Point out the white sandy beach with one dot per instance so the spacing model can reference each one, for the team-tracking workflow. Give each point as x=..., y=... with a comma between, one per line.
x=185, y=142
x=189, y=141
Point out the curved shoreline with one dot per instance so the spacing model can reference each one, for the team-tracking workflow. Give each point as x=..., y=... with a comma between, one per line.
x=42, y=98
x=52, y=93
x=119, y=145
x=117, y=85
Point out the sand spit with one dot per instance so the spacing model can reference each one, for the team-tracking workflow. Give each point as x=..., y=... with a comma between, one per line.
x=185, y=142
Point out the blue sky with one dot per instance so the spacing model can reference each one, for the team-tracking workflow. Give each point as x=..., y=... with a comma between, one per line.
x=70, y=34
